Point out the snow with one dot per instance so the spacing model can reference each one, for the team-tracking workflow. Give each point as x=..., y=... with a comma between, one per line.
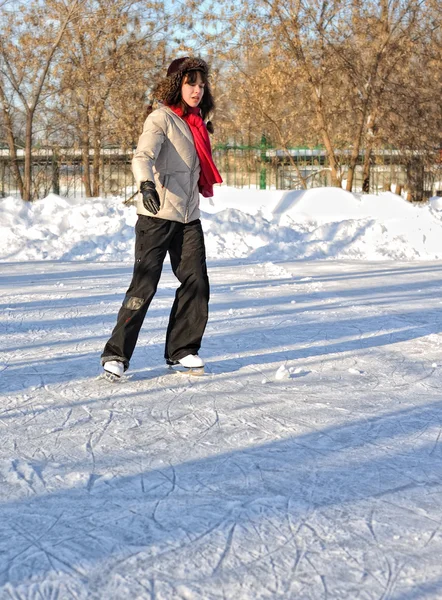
x=306, y=463
x=324, y=223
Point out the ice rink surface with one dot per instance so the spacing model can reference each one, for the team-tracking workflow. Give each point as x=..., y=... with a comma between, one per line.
x=306, y=464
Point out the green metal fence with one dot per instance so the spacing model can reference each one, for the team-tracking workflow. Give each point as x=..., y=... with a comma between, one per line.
x=273, y=168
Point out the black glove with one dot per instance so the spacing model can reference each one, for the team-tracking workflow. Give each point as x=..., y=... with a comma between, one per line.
x=151, y=200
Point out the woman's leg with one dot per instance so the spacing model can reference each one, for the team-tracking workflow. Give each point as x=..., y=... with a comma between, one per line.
x=189, y=314
x=151, y=243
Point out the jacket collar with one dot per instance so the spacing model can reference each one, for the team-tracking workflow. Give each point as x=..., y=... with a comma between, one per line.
x=181, y=124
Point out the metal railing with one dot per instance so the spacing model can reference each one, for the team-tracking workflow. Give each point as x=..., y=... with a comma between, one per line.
x=271, y=168
x=61, y=171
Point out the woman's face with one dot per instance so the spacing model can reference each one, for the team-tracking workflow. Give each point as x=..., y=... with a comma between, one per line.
x=192, y=93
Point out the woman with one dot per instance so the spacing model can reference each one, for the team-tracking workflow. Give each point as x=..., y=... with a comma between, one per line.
x=172, y=165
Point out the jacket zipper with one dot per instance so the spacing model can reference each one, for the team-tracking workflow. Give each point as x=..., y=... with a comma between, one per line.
x=186, y=214
x=192, y=171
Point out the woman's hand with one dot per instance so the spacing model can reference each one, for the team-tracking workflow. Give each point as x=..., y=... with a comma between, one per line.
x=151, y=200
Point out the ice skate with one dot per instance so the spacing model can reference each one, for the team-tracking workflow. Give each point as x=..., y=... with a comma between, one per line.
x=113, y=370
x=192, y=364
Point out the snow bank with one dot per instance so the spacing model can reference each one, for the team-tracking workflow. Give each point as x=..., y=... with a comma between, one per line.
x=66, y=229
x=239, y=223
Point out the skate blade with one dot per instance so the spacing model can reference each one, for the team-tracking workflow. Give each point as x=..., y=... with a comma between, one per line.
x=193, y=371
x=107, y=376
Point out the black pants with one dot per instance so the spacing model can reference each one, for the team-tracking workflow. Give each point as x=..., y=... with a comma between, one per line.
x=188, y=318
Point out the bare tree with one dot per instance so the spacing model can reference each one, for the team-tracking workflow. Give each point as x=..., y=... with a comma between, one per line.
x=337, y=65
x=28, y=45
x=110, y=59
x=384, y=42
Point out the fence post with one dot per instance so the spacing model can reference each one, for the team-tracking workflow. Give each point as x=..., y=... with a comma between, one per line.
x=2, y=177
x=263, y=171
x=55, y=173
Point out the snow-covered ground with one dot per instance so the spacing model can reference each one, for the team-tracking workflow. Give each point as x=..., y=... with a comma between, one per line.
x=324, y=223
x=306, y=463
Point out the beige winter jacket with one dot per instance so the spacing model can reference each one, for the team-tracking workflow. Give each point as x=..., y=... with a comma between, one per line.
x=166, y=155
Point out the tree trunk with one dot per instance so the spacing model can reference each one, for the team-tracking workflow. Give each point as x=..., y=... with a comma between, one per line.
x=55, y=172
x=367, y=167
x=355, y=152
x=366, y=172
x=370, y=139
x=334, y=166
x=11, y=142
x=86, y=166
x=27, y=175
x=415, y=180
x=96, y=165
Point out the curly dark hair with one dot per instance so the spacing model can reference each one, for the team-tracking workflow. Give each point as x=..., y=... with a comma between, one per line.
x=168, y=90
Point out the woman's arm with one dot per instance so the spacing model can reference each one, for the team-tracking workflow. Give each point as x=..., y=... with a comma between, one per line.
x=149, y=146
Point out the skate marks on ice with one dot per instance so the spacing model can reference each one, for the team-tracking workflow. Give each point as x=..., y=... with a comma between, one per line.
x=265, y=314
x=321, y=482
x=335, y=509
x=334, y=323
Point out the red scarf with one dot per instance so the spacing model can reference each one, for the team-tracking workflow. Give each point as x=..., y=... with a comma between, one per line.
x=209, y=173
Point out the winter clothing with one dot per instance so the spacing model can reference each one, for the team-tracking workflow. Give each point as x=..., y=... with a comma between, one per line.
x=114, y=367
x=151, y=200
x=177, y=65
x=168, y=87
x=191, y=361
x=185, y=244
x=166, y=155
x=168, y=91
x=209, y=173
x=166, y=167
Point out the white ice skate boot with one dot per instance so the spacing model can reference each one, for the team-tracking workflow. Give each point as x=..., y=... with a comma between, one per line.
x=113, y=369
x=191, y=364
x=192, y=361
